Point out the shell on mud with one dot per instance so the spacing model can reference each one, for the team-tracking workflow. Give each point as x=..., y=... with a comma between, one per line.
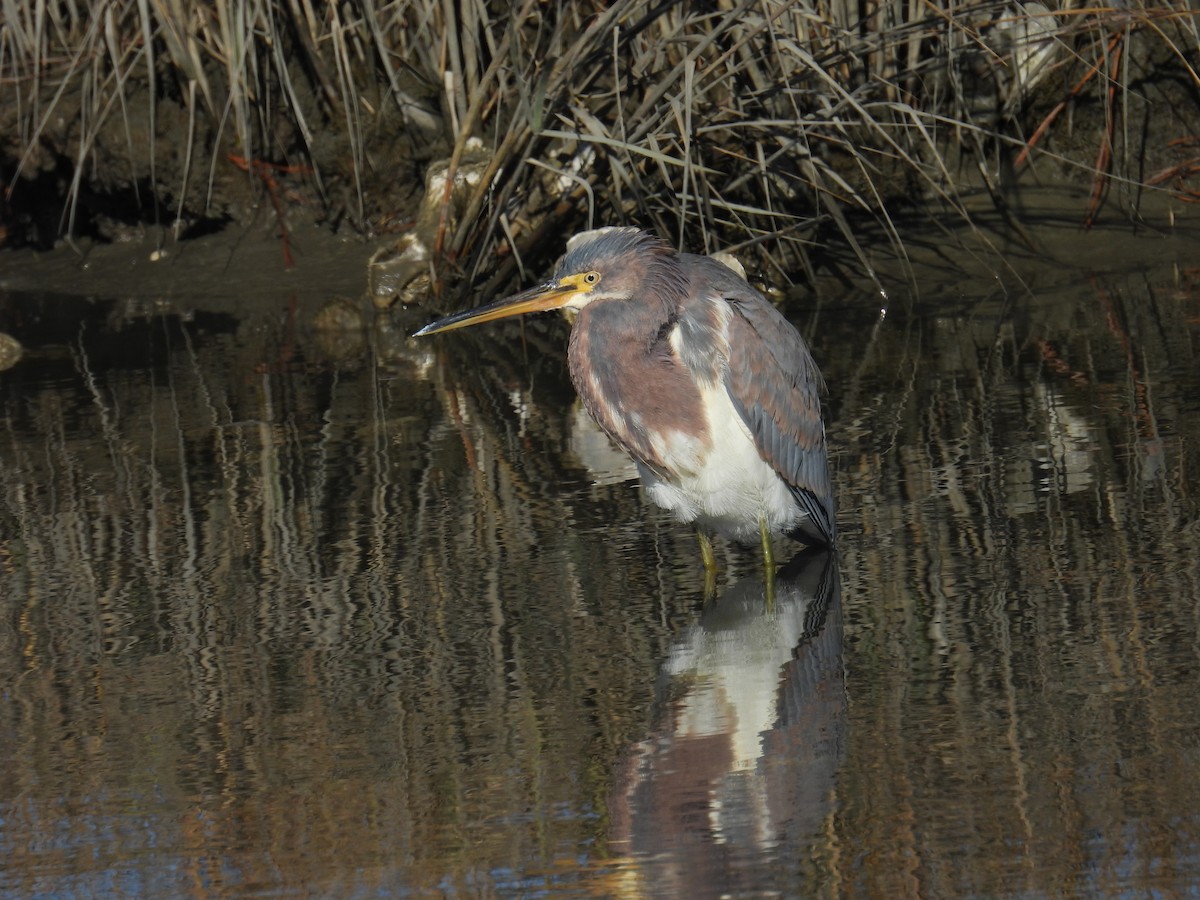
x=400, y=272
x=10, y=351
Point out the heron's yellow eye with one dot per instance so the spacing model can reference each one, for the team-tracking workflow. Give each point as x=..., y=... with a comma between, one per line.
x=591, y=278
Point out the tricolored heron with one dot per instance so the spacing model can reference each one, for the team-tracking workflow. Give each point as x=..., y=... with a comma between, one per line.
x=696, y=376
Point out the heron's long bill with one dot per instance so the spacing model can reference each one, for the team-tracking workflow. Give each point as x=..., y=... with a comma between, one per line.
x=552, y=295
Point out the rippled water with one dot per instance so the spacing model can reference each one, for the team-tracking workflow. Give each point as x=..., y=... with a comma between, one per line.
x=290, y=610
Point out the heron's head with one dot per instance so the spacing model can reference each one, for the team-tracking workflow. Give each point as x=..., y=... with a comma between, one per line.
x=618, y=264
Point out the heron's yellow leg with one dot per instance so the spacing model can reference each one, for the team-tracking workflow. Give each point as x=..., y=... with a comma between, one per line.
x=706, y=552
x=768, y=562
x=768, y=553
x=710, y=565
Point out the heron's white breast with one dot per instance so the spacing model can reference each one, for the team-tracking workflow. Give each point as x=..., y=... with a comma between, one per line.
x=721, y=482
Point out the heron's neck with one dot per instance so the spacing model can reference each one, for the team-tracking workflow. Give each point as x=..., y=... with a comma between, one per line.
x=627, y=374
x=623, y=332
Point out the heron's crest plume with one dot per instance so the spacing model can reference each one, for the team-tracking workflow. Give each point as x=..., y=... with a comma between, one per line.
x=633, y=263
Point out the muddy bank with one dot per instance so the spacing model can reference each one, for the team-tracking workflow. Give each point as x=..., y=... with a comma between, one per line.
x=252, y=259
x=236, y=270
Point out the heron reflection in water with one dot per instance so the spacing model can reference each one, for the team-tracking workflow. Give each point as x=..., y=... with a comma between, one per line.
x=699, y=378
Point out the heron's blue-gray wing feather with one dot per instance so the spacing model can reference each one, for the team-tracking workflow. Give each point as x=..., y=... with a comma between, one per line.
x=775, y=386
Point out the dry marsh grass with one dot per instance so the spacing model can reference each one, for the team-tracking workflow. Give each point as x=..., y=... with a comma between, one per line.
x=763, y=124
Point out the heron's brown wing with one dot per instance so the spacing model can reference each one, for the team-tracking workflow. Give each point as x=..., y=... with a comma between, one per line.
x=775, y=386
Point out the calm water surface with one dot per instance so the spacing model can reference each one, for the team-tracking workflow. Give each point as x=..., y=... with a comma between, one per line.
x=290, y=610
